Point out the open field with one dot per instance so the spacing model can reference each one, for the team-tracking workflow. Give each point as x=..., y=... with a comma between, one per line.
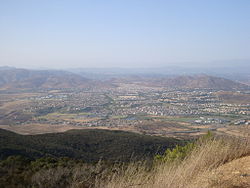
x=32, y=129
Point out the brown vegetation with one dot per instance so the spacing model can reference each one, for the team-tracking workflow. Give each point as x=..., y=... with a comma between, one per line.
x=213, y=163
x=233, y=97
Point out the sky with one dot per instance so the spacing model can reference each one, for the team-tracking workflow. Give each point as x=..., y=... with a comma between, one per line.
x=123, y=33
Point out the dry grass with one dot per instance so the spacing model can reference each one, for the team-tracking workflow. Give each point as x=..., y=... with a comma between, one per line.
x=195, y=171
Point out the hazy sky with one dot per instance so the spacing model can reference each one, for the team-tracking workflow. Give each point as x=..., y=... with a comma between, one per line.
x=122, y=33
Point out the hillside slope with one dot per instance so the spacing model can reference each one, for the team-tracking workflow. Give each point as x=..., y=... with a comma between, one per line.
x=13, y=78
x=198, y=81
x=213, y=162
x=89, y=145
x=233, y=174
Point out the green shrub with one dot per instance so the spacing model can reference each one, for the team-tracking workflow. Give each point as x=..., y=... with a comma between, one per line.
x=180, y=152
x=176, y=154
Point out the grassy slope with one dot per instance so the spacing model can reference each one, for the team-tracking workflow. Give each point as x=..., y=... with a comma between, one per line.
x=215, y=163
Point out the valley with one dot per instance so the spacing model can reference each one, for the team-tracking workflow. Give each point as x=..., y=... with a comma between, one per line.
x=128, y=104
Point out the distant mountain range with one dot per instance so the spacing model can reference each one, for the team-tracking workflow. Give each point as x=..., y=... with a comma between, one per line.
x=199, y=81
x=184, y=82
x=236, y=70
x=14, y=78
x=22, y=78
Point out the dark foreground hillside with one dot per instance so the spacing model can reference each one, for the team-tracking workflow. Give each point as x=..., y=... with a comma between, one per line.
x=87, y=145
x=69, y=159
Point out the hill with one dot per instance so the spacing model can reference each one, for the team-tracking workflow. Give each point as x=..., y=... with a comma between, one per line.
x=218, y=162
x=199, y=82
x=210, y=163
x=13, y=78
x=236, y=173
x=89, y=145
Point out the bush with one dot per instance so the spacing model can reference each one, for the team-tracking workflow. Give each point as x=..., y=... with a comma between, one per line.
x=176, y=154
x=181, y=152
